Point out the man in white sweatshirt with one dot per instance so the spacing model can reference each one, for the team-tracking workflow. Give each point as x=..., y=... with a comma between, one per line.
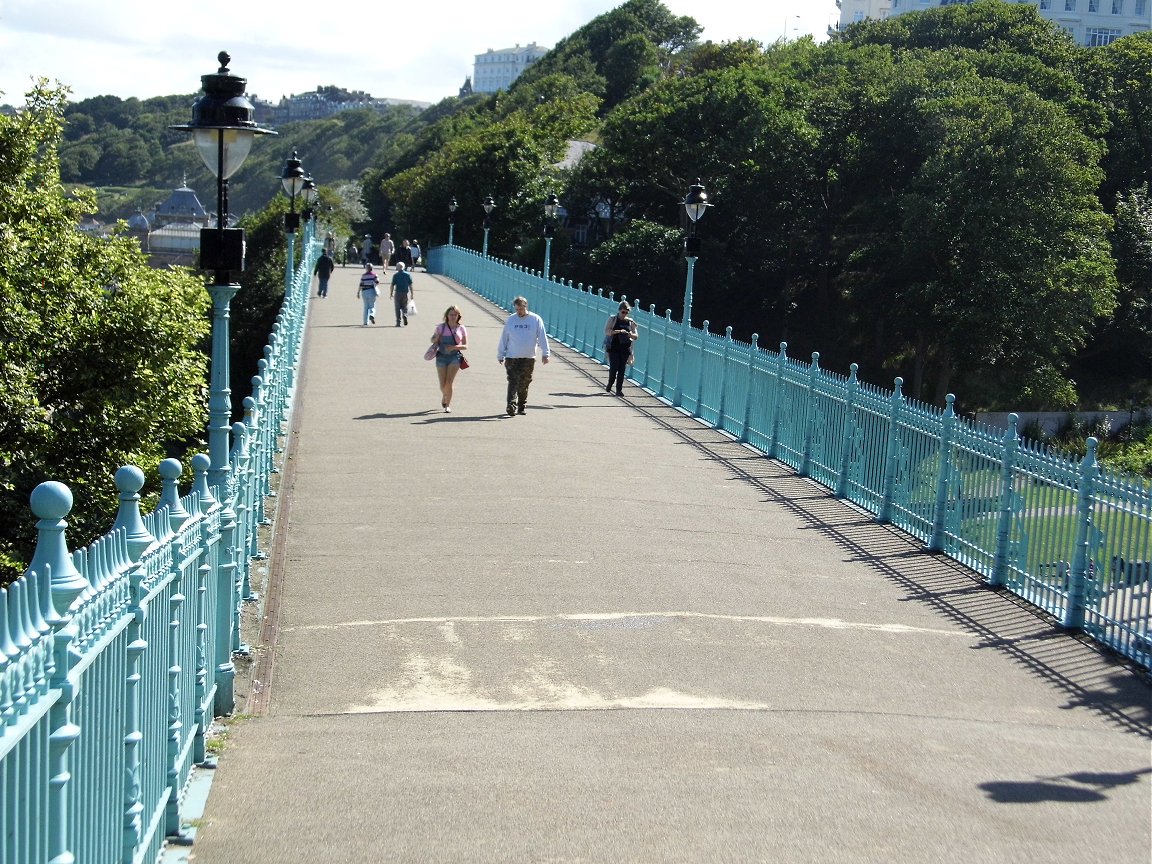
x=523, y=332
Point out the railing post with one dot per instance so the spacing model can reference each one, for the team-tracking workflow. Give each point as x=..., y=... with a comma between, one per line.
x=943, y=477
x=130, y=480
x=892, y=452
x=133, y=825
x=1007, y=502
x=172, y=828
x=725, y=354
x=222, y=572
x=664, y=359
x=1078, y=575
x=51, y=502
x=809, y=413
x=244, y=522
x=170, y=471
x=777, y=392
x=704, y=327
x=255, y=482
x=648, y=343
x=63, y=735
x=850, y=429
x=753, y=352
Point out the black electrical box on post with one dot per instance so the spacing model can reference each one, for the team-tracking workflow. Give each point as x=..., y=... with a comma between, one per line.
x=222, y=250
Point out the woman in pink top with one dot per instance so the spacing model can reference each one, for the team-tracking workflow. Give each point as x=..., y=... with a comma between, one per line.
x=451, y=339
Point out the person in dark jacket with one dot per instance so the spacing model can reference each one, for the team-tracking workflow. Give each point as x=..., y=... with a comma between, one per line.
x=323, y=270
x=404, y=255
x=619, y=334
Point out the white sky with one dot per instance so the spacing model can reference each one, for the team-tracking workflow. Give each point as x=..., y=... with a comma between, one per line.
x=420, y=51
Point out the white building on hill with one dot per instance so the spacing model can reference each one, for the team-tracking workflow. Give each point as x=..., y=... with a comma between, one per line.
x=496, y=70
x=1091, y=22
x=853, y=11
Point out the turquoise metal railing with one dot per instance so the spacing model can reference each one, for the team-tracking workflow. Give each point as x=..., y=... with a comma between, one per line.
x=114, y=658
x=1064, y=533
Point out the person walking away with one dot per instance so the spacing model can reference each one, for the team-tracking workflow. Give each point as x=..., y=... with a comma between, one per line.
x=366, y=250
x=620, y=333
x=367, y=291
x=401, y=292
x=387, y=251
x=323, y=270
x=451, y=339
x=404, y=254
x=523, y=333
x=416, y=255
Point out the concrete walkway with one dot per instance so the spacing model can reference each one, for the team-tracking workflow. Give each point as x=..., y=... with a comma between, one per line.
x=602, y=632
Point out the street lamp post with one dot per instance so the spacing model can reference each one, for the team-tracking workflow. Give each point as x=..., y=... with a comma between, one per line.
x=292, y=177
x=223, y=128
x=310, y=193
x=695, y=203
x=489, y=206
x=550, y=207
x=452, y=205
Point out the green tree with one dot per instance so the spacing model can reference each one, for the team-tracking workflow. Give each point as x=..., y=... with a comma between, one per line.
x=640, y=263
x=101, y=353
x=513, y=160
x=1119, y=77
x=1119, y=354
x=616, y=52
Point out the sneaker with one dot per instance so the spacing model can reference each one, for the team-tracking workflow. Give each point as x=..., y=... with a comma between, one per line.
x=372, y=319
x=608, y=389
x=510, y=409
x=447, y=409
x=405, y=322
x=520, y=410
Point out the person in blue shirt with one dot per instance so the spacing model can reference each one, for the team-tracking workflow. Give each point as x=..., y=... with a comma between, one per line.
x=523, y=333
x=401, y=292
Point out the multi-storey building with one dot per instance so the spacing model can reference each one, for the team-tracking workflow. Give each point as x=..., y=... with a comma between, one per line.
x=852, y=11
x=496, y=70
x=1090, y=22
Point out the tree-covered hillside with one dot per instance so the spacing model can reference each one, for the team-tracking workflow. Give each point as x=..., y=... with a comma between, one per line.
x=957, y=196
x=118, y=144
x=931, y=196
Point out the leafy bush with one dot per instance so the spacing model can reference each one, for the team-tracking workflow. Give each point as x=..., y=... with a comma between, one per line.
x=101, y=353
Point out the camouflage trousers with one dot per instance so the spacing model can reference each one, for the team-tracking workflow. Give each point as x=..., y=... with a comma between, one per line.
x=519, y=371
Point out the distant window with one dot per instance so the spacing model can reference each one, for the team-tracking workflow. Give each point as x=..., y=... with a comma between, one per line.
x=859, y=16
x=1098, y=37
x=1117, y=7
x=1093, y=5
x=1069, y=5
x=1045, y=4
x=1141, y=7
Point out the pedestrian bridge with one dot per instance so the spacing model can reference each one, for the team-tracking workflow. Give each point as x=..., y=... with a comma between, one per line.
x=752, y=611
